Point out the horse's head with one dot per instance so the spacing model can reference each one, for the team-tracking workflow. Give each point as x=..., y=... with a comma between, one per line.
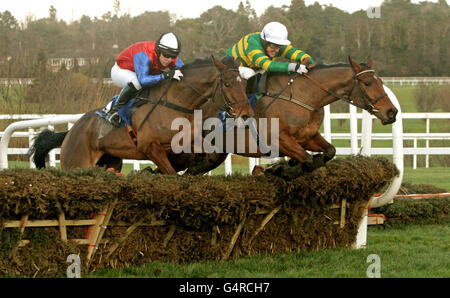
x=233, y=87
x=368, y=92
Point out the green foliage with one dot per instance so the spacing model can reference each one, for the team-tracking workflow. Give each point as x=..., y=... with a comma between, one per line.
x=9, y=239
x=67, y=91
x=419, y=188
x=417, y=211
x=408, y=40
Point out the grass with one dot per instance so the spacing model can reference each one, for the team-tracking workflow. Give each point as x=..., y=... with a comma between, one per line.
x=438, y=176
x=405, y=252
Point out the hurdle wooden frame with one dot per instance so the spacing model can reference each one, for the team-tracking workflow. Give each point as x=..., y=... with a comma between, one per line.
x=102, y=219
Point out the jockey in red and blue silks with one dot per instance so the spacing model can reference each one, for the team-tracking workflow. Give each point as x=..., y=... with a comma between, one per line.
x=144, y=64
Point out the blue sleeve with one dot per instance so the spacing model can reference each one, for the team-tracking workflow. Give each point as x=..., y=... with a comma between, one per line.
x=142, y=65
x=179, y=63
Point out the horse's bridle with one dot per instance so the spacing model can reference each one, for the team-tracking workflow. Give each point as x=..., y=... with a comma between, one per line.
x=228, y=105
x=368, y=102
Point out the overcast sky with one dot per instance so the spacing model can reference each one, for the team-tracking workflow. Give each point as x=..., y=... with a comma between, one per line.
x=73, y=9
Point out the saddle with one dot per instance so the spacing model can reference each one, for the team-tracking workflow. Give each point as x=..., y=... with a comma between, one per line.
x=256, y=88
x=125, y=111
x=258, y=83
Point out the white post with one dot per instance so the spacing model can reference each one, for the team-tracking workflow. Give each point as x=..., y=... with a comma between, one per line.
x=353, y=130
x=366, y=146
x=327, y=123
x=361, y=236
x=252, y=162
x=228, y=170
x=31, y=142
x=51, y=154
x=415, y=155
x=366, y=134
x=427, y=143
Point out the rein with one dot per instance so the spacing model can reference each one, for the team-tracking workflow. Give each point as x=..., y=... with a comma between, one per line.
x=368, y=101
x=228, y=105
x=154, y=106
x=290, y=98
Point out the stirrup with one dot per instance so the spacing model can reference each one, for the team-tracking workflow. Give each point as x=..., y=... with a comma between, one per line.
x=114, y=119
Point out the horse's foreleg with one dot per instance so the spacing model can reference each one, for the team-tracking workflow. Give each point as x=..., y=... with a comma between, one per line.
x=290, y=147
x=158, y=155
x=318, y=144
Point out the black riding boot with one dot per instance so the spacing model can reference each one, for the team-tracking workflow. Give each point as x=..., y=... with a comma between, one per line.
x=127, y=93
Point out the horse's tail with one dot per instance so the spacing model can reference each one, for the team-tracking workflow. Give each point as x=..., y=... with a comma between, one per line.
x=43, y=143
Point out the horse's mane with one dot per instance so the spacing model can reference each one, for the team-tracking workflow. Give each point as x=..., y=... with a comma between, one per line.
x=322, y=66
x=229, y=61
x=339, y=64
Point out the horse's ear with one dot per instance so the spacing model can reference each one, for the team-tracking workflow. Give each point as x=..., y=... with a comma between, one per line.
x=369, y=61
x=355, y=65
x=237, y=61
x=220, y=66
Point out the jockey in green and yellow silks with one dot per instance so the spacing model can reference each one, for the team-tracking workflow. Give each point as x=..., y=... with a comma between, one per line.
x=260, y=50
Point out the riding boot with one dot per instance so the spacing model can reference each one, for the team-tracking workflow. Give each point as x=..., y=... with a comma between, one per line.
x=127, y=93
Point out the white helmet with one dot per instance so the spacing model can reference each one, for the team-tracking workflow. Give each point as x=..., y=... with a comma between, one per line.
x=169, y=42
x=276, y=33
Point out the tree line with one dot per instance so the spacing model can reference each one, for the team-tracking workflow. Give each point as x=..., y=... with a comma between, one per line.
x=406, y=39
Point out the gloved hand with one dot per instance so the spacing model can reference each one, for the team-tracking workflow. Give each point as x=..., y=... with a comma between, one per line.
x=300, y=68
x=309, y=62
x=178, y=75
x=175, y=74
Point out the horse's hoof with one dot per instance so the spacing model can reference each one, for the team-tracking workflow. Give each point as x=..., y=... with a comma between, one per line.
x=307, y=167
x=148, y=169
x=292, y=162
x=257, y=170
x=292, y=173
x=318, y=161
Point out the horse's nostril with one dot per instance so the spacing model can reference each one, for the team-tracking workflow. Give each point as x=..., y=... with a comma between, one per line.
x=392, y=113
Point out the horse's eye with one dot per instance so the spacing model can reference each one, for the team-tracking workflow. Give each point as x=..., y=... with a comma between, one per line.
x=227, y=84
x=367, y=84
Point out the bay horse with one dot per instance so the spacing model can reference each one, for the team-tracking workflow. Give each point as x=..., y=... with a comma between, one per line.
x=94, y=141
x=298, y=101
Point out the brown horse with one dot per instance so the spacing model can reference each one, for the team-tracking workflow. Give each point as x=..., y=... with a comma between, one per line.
x=93, y=141
x=298, y=101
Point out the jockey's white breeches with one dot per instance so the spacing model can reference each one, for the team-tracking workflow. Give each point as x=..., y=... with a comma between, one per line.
x=121, y=77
